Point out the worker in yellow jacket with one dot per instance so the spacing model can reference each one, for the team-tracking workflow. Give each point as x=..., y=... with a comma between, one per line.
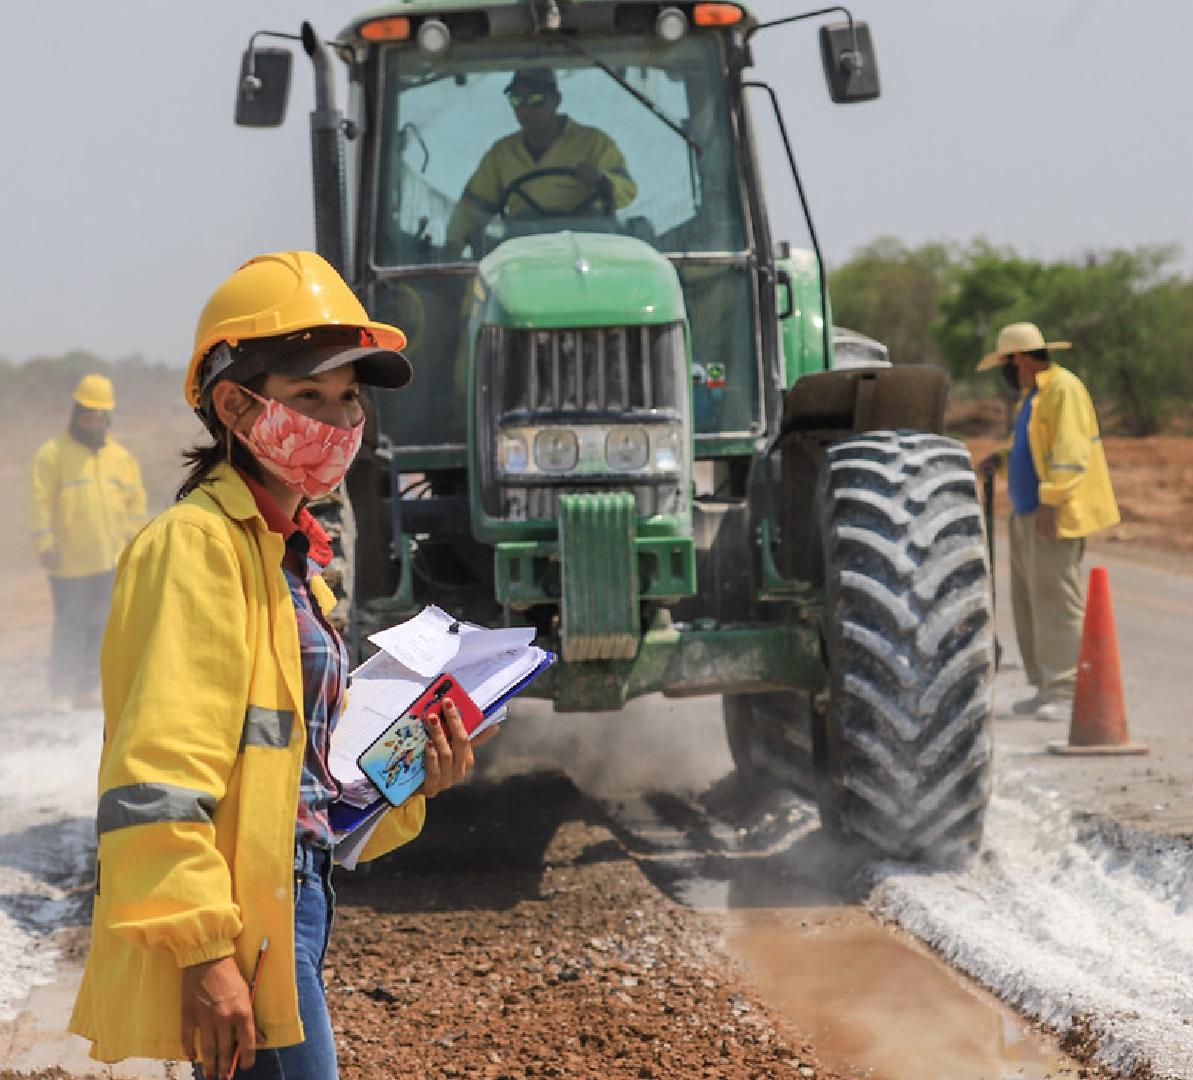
x=551, y=166
x=223, y=681
x=86, y=502
x=1060, y=493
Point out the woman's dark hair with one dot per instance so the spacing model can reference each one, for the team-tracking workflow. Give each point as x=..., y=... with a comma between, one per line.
x=201, y=459
x=1040, y=356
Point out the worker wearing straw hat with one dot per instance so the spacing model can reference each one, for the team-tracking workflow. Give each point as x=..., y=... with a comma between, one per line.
x=1060, y=493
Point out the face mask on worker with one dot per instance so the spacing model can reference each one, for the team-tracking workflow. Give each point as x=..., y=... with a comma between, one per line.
x=1010, y=372
x=307, y=455
x=91, y=431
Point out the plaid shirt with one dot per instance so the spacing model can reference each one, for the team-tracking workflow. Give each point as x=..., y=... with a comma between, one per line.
x=324, y=663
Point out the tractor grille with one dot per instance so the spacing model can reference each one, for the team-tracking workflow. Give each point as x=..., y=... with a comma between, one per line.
x=573, y=377
x=592, y=371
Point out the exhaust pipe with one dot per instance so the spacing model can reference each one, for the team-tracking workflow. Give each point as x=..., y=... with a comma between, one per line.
x=328, y=179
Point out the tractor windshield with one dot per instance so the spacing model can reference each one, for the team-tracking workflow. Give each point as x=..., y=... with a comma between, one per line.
x=452, y=146
x=458, y=172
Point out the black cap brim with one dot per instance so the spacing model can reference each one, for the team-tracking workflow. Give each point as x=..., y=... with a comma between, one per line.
x=383, y=368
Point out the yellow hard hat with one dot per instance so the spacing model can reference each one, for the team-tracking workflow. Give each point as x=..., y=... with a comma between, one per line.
x=95, y=392
x=280, y=293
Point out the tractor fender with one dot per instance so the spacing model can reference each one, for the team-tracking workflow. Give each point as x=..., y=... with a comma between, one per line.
x=824, y=407
x=907, y=398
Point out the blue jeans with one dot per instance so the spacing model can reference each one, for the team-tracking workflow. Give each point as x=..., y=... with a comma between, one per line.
x=314, y=907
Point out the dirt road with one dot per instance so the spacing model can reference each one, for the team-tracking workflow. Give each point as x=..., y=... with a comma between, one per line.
x=603, y=902
x=664, y=926
x=1153, y=606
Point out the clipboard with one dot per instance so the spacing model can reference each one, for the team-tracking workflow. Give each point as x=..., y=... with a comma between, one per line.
x=345, y=817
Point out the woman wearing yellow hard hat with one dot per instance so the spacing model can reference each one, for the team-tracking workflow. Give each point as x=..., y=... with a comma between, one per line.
x=222, y=683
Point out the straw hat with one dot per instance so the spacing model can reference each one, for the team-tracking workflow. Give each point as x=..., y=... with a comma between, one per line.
x=1016, y=338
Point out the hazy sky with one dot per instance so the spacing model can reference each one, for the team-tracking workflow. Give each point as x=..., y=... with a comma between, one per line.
x=1054, y=126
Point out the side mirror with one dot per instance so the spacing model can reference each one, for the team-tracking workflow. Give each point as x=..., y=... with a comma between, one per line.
x=850, y=64
x=264, y=87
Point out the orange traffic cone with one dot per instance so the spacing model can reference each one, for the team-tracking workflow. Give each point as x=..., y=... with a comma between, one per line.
x=1099, y=721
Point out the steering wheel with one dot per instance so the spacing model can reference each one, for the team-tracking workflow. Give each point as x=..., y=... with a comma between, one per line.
x=600, y=195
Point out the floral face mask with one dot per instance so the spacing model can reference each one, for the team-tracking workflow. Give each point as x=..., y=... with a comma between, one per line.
x=306, y=454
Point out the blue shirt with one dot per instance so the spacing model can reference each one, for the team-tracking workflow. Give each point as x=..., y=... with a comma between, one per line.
x=1022, y=477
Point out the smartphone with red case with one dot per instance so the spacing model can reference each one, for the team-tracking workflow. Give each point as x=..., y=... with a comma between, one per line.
x=394, y=761
x=446, y=688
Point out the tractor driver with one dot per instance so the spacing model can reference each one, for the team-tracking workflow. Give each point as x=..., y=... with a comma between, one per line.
x=552, y=165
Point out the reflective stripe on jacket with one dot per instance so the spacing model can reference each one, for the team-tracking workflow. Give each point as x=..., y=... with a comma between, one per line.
x=84, y=504
x=199, y=773
x=507, y=159
x=1068, y=455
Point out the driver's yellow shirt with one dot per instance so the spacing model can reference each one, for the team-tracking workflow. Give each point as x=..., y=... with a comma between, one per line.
x=507, y=159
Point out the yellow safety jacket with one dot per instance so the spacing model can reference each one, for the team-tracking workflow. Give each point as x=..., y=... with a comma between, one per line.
x=508, y=158
x=1067, y=452
x=85, y=504
x=199, y=774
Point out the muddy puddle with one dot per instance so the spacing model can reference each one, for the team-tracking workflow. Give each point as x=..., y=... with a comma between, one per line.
x=876, y=1003
x=878, y=1006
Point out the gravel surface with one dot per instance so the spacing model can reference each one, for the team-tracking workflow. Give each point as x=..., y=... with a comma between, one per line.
x=534, y=947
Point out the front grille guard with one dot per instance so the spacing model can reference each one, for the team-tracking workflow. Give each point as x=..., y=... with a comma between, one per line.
x=577, y=376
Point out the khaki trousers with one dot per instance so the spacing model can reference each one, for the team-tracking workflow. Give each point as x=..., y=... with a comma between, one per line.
x=1048, y=600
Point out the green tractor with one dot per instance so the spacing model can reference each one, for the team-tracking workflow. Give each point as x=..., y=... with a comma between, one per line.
x=628, y=427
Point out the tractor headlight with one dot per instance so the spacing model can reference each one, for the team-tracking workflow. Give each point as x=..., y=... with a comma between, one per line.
x=556, y=450
x=513, y=457
x=434, y=37
x=627, y=449
x=671, y=24
x=666, y=450
x=600, y=452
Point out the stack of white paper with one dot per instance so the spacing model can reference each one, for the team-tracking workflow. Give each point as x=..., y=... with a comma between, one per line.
x=488, y=664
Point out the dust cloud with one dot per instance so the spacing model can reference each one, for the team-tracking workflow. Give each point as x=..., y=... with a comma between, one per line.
x=48, y=767
x=654, y=743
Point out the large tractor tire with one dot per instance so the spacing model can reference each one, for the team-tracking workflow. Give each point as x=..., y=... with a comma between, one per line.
x=909, y=632
x=770, y=740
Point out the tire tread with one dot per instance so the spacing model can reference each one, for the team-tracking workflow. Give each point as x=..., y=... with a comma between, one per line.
x=910, y=636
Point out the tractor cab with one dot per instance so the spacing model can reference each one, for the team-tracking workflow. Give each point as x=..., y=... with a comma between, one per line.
x=654, y=117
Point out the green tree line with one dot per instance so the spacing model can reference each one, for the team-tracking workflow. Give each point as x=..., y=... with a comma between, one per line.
x=47, y=382
x=1129, y=315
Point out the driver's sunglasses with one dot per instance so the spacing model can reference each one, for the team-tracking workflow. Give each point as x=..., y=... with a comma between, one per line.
x=528, y=101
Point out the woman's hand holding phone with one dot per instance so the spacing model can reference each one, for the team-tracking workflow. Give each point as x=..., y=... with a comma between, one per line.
x=448, y=755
